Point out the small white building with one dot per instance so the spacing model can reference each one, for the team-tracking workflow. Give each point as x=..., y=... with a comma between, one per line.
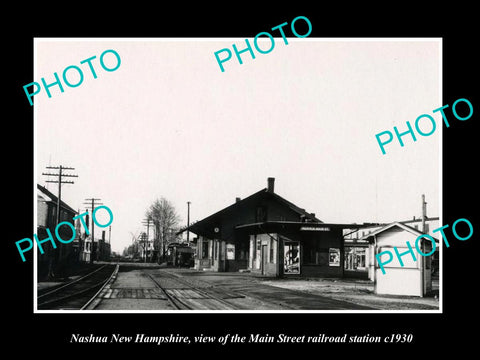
x=414, y=278
x=358, y=256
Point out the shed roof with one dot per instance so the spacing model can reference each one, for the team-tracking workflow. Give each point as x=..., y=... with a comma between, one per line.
x=407, y=228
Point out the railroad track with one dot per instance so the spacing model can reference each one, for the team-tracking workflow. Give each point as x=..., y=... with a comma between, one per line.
x=77, y=294
x=190, y=297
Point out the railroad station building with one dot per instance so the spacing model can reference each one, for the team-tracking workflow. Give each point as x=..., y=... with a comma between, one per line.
x=269, y=235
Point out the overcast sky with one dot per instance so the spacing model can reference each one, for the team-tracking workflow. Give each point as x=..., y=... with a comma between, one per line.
x=169, y=123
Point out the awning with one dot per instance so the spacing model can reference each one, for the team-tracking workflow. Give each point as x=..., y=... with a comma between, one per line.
x=278, y=226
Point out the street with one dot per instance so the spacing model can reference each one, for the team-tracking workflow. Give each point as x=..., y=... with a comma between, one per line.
x=147, y=287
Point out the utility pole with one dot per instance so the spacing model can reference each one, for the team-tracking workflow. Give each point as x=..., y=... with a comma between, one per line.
x=143, y=237
x=59, y=182
x=424, y=213
x=59, y=175
x=188, y=222
x=110, y=252
x=93, y=202
x=134, y=245
x=148, y=227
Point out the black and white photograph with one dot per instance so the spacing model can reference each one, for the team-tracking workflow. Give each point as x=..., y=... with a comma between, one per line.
x=274, y=159
x=196, y=182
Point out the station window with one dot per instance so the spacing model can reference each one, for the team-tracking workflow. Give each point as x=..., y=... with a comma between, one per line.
x=261, y=214
x=205, y=249
x=272, y=250
x=241, y=250
x=314, y=253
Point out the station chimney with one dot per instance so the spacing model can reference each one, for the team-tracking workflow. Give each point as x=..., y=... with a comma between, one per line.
x=271, y=184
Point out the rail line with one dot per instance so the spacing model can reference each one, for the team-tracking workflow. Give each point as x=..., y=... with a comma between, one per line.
x=77, y=294
x=180, y=303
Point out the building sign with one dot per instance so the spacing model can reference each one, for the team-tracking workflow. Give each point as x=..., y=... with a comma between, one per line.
x=313, y=228
x=291, y=263
x=334, y=257
x=230, y=251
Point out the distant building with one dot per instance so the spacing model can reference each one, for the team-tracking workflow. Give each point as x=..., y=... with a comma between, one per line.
x=102, y=249
x=87, y=249
x=54, y=262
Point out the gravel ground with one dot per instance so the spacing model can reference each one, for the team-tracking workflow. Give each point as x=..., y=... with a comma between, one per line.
x=359, y=292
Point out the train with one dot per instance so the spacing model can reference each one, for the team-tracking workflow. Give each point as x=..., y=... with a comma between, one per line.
x=181, y=255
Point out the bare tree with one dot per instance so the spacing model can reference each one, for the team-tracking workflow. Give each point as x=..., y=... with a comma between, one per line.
x=165, y=219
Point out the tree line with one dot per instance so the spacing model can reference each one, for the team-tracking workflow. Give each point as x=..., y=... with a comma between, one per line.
x=164, y=222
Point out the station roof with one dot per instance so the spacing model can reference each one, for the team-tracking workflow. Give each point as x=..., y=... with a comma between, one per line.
x=202, y=227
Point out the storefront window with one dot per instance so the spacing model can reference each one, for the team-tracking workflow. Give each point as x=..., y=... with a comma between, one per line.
x=355, y=258
x=360, y=258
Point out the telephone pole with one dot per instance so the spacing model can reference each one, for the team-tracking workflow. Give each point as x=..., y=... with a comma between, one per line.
x=188, y=222
x=93, y=202
x=424, y=213
x=146, y=222
x=143, y=237
x=60, y=175
x=59, y=181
